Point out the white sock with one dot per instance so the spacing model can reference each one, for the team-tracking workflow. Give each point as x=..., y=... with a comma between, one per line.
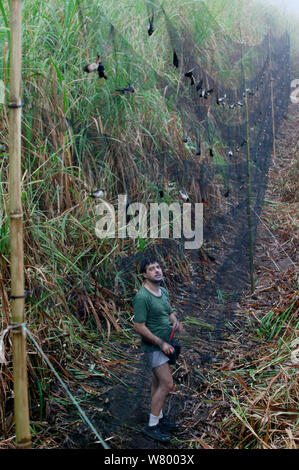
x=161, y=414
x=153, y=420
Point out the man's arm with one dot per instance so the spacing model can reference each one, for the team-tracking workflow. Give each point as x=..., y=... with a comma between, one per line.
x=142, y=330
x=175, y=323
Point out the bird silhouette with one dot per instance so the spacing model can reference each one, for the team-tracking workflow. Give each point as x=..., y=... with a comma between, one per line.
x=187, y=140
x=97, y=194
x=175, y=59
x=203, y=94
x=101, y=71
x=93, y=66
x=199, y=85
x=127, y=89
x=96, y=66
x=189, y=74
x=206, y=93
x=183, y=195
x=220, y=100
x=198, y=149
x=150, y=28
x=211, y=153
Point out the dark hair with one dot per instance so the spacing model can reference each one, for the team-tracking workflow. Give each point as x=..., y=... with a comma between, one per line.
x=145, y=262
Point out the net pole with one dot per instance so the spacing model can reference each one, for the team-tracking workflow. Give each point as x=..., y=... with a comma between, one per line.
x=272, y=96
x=23, y=438
x=249, y=192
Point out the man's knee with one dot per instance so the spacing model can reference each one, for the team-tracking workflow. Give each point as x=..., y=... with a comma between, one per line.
x=167, y=384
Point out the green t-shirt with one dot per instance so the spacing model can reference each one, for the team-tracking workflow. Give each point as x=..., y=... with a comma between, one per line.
x=154, y=312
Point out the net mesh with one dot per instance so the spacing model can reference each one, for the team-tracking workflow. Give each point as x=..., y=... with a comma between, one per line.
x=227, y=110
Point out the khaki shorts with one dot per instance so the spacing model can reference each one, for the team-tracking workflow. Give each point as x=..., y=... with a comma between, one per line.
x=155, y=358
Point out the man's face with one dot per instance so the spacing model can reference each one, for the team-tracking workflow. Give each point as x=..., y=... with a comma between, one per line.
x=153, y=273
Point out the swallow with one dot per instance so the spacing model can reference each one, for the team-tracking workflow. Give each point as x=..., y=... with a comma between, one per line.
x=244, y=141
x=240, y=103
x=220, y=100
x=183, y=195
x=230, y=153
x=232, y=106
x=127, y=200
x=204, y=94
x=96, y=65
x=198, y=150
x=150, y=28
x=97, y=194
x=190, y=75
x=209, y=92
x=93, y=66
x=127, y=89
x=101, y=71
x=175, y=59
x=199, y=85
x=187, y=140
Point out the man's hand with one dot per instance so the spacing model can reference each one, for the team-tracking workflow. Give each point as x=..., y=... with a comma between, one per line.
x=177, y=326
x=147, y=335
x=166, y=348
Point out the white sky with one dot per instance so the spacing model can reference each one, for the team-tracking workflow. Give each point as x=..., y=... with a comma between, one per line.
x=290, y=6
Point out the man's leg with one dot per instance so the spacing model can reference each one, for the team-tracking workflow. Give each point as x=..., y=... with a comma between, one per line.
x=155, y=384
x=161, y=386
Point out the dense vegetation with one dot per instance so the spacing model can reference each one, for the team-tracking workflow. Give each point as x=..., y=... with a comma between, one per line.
x=80, y=290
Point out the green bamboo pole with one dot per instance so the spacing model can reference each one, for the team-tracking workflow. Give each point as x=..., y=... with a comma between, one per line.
x=23, y=438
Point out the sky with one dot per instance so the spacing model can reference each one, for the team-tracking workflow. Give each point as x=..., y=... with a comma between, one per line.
x=291, y=6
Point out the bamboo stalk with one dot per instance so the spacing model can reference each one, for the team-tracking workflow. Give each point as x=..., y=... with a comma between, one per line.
x=23, y=437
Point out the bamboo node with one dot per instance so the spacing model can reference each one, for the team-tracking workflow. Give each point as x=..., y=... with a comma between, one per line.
x=23, y=445
x=15, y=106
x=17, y=328
x=16, y=215
x=19, y=296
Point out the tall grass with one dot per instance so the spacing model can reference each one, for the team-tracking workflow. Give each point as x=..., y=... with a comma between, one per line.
x=78, y=134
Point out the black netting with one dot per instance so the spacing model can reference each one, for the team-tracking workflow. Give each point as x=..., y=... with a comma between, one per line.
x=226, y=119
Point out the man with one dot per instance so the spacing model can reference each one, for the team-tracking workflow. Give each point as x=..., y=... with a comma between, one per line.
x=155, y=320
